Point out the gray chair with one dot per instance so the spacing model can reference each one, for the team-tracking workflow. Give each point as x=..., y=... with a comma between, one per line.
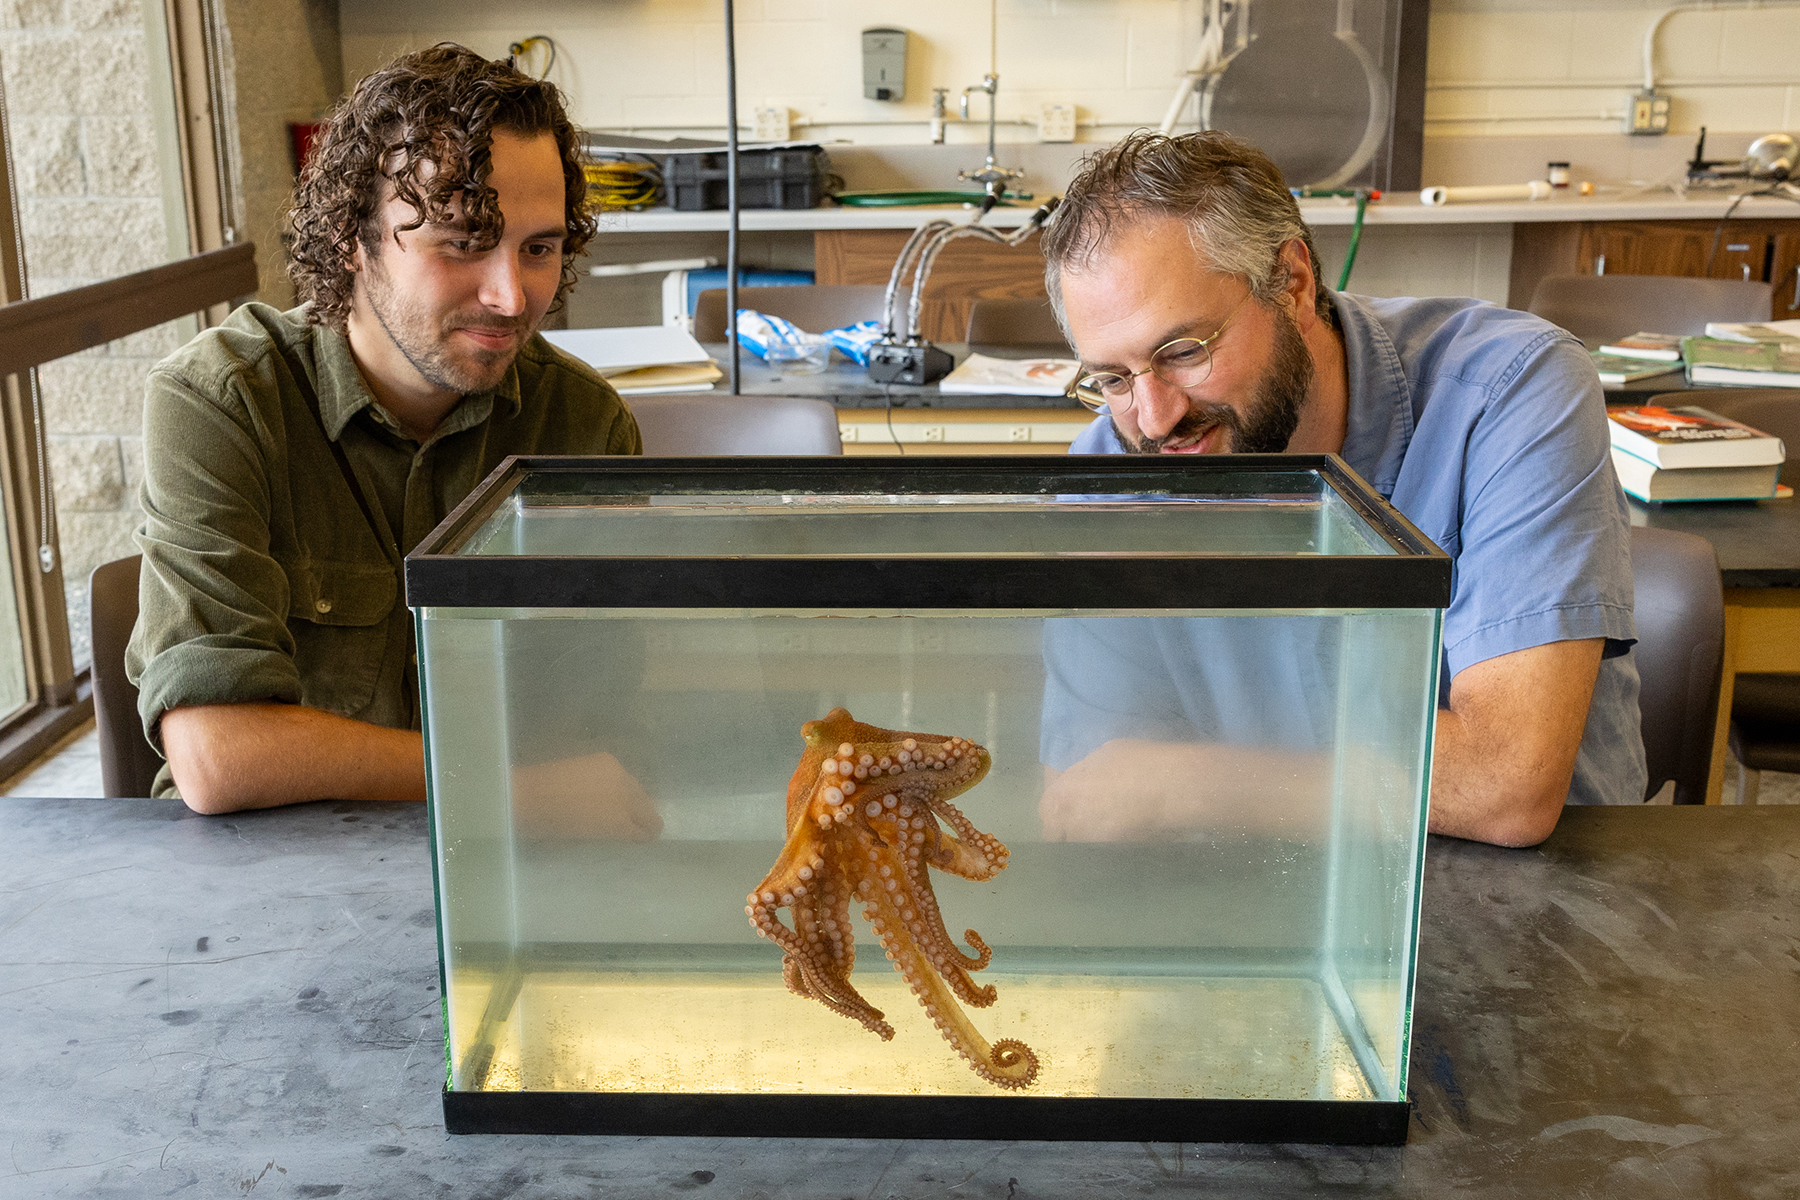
x=814, y=308
x=701, y=424
x=1603, y=308
x=1765, y=708
x=128, y=764
x=1680, y=609
x=1028, y=324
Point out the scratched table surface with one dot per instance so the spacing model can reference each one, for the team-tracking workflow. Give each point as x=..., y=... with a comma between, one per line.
x=248, y=1006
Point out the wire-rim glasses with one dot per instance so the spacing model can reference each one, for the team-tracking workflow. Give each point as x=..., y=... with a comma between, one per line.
x=1182, y=363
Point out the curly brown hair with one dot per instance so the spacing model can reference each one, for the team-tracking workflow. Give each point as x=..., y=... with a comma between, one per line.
x=424, y=123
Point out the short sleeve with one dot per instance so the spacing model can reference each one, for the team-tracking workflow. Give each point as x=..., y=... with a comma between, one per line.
x=1542, y=543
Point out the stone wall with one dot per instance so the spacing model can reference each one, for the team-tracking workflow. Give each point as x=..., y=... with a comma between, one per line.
x=84, y=148
x=289, y=67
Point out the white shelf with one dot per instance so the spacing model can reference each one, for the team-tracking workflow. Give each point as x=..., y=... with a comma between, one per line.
x=1391, y=210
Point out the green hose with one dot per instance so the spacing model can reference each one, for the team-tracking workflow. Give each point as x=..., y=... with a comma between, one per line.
x=903, y=199
x=1362, y=206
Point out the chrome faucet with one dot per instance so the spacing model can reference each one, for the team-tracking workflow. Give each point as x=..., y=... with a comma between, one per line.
x=991, y=176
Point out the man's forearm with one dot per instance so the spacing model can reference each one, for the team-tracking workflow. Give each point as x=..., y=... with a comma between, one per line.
x=230, y=757
x=1505, y=749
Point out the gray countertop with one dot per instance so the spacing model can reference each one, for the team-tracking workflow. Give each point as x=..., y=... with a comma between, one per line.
x=848, y=386
x=248, y=1005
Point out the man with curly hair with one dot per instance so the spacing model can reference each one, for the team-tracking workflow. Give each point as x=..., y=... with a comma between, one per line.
x=292, y=459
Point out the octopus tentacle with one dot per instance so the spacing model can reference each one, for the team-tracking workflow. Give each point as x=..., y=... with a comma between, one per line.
x=863, y=813
x=978, y=856
x=1008, y=1063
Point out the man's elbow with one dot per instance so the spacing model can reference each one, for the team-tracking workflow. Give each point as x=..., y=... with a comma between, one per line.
x=1524, y=818
x=192, y=744
x=202, y=790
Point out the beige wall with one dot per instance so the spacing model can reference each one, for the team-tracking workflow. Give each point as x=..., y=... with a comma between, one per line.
x=288, y=66
x=1496, y=67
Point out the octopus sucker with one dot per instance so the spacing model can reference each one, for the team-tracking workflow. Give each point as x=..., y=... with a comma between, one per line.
x=863, y=818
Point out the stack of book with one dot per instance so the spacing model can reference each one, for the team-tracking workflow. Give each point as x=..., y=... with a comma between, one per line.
x=1688, y=453
x=641, y=360
x=1640, y=356
x=1745, y=355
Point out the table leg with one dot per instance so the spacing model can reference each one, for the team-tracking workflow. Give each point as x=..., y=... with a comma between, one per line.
x=1762, y=633
x=1715, y=776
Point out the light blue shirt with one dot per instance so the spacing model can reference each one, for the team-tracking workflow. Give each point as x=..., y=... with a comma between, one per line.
x=1486, y=427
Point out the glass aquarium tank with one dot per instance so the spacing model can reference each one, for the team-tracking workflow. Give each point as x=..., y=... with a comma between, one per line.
x=954, y=797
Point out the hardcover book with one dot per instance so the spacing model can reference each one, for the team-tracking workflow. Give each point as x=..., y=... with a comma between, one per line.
x=1614, y=369
x=1656, y=485
x=1689, y=437
x=1664, y=347
x=1742, y=364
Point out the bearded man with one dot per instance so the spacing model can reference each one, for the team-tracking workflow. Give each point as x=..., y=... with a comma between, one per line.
x=292, y=459
x=1188, y=283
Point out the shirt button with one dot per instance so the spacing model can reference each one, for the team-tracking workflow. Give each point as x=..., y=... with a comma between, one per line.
x=323, y=606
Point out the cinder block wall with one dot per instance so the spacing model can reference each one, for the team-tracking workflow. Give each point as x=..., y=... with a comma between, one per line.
x=84, y=147
x=79, y=93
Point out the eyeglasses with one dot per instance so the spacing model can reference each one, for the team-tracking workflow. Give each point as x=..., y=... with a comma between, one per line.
x=1182, y=363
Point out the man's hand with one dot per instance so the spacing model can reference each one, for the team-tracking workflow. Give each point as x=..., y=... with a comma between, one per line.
x=1131, y=790
x=1505, y=749
x=231, y=757
x=589, y=796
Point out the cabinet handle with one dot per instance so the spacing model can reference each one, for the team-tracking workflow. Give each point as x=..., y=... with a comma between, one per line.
x=1600, y=264
x=1746, y=267
x=1796, y=303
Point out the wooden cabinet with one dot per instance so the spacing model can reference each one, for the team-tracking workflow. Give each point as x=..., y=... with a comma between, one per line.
x=1784, y=274
x=967, y=270
x=1736, y=249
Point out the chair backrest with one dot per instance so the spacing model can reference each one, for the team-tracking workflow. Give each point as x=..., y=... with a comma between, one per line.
x=1772, y=410
x=128, y=764
x=1680, y=610
x=1030, y=322
x=814, y=308
x=1603, y=308
x=701, y=424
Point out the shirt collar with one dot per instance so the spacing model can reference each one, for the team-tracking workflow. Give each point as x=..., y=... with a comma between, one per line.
x=1379, y=423
x=343, y=392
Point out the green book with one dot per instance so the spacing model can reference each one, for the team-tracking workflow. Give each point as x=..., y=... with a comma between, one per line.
x=1617, y=368
x=1746, y=364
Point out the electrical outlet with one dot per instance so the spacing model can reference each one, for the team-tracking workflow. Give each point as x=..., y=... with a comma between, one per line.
x=1020, y=433
x=934, y=433
x=846, y=433
x=1647, y=113
x=771, y=125
x=1056, y=121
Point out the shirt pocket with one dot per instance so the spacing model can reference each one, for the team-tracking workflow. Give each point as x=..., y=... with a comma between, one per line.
x=338, y=616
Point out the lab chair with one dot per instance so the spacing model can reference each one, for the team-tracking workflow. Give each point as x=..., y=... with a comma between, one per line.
x=128, y=765
x=814, y=308
x=679, y=424
x=1680, y=610
x=1765, y=708
x=1603, y=308
x=1026, y=324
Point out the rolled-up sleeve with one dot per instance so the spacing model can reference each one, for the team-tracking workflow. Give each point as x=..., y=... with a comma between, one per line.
x=212, y=603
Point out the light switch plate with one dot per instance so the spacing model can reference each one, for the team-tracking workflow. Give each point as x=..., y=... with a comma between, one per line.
x=1056, y=121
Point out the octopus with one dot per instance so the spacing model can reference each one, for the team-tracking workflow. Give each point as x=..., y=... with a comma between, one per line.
x=863, y=818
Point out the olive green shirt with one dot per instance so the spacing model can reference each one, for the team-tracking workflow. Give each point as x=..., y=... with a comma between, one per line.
x=262, y=577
